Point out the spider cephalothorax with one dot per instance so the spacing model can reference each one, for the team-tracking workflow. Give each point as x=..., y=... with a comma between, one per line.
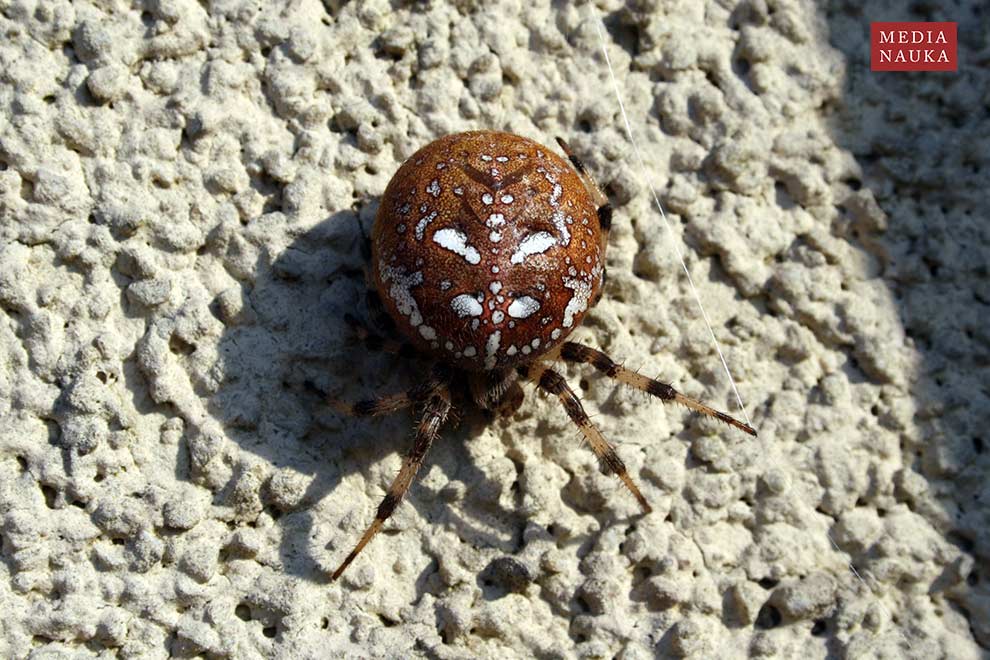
x=487, y=251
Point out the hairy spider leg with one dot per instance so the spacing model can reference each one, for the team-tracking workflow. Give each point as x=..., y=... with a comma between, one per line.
x=511, y=400
x=391, y=403
x=601, y=202
x=434, y=415
x=380, y=318
x=552, y=382
x=383, y=405
x=489, y=387
x=376, y=309
x=497, y=392
x=579, y=353
x=597, y=194
x=375, y=342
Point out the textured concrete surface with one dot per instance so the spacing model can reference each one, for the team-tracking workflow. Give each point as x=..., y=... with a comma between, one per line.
x=181, y=187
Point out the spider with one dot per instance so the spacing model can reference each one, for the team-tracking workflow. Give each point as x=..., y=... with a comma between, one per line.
x=486, y=253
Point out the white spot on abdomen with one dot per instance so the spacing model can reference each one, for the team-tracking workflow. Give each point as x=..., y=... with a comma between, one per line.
x=491, y=348
x=434, y=188
x=456, y=242
x=466, y=305
x=400, y=292
x=579, y=299
x=422, y=225
x=523, y=307
x=560, y=223
x=537, y=243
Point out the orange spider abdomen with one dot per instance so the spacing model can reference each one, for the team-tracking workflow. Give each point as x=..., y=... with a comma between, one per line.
x=487, y=249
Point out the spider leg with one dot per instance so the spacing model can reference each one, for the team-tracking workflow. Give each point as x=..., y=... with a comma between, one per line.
x=374, y=342
x=373, y=301
x=511, y=399
x=376, y=310
x=551, y=382
x=601, y=201
x=391, y=403
x=383, y=405
x=599, y=196
x=488, y=388
x=573, y=352
x=433, y=418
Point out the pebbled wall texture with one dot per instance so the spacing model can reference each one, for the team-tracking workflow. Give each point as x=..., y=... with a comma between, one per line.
x=183, y=188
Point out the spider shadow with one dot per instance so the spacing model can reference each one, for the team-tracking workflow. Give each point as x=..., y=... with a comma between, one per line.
x=286, y=350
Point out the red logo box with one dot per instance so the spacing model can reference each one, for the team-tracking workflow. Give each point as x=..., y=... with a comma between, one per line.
x=918, y=46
